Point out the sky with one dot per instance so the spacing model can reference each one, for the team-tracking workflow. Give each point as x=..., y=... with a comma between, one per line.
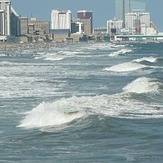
x=103, y=10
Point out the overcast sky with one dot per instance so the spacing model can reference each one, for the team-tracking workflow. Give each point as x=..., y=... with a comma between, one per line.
x=103, y=10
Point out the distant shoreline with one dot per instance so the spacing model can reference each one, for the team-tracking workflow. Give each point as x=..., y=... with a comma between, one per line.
x=26, y=46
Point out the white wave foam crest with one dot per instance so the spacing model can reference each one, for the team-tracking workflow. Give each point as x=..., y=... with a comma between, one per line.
x=125, y=67
x=142, y=85
x=70, y=53
x=117, y=46
x=6, y=63
x=49, y=114
x=50, y=56
x=57, y=56
x=120, y=52
x=101, y=46
x=54, y=58
x=3, y=77
x=149, y=59
x=64, y=111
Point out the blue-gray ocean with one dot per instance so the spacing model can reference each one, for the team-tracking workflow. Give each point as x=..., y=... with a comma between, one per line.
x=84, y=103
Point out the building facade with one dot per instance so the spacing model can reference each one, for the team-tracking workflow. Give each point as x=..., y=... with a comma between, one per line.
x=114, y=26
x=77, y=27
x=86, y=17
x=38, y=26
x=136, y=21
x=5, y=12
x=24, y=25
x=15, y=29
x=61, y=19
x=2, y=23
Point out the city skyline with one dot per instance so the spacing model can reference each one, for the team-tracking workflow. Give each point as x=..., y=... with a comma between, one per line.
x=101, y=11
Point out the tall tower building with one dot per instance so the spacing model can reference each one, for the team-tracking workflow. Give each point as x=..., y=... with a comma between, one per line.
x=124, y=6
x=5, y=12
x=86, y=17
x=61, y=19
x=15, y=29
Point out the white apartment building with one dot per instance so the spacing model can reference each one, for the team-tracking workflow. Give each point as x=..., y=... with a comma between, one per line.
x=114, y=25
x=134, y=21
x=5, y=11
x=61, y=19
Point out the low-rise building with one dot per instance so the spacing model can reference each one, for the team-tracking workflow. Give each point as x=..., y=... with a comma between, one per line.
x=60, y=34
x=114, y=26
x=38, y=26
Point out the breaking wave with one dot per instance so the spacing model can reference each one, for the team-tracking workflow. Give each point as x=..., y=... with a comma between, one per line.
x=120, y=52
x=49, y=114
x=6, y=63
x=148, y=59
x=125, y=67
x=143, y=85
x=50, y=56
x=67, y=110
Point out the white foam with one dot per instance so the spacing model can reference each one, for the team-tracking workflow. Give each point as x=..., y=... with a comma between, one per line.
x=142, y=85
x=125, y=67
x=49, y=114
x=101, y=46
x=3, y=77
x=70, y=53
x=64, y=111
x=50, y=56
x=54, y=58
x=6, y=63
x=149, y=59
x=57, y=56
x=120, y=52
x=3, y=55
x=117, y=46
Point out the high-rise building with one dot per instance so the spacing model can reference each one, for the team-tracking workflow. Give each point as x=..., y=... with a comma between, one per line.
x=124, y=6
x=15, y=29
x=86, y=17
x=5, y=12
x=136, y=20
x=61, y=20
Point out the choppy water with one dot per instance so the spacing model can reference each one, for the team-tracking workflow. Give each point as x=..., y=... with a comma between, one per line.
x=82, y=103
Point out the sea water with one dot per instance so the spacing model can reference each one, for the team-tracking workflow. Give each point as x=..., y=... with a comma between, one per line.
x=82, y=103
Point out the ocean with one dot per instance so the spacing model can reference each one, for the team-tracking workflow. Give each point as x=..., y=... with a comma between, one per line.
x=83, y=103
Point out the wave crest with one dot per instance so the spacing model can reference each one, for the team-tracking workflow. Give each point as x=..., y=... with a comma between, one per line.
x=124, y=67
x=49, y=114
x=148, y=59
x=142, y=85
x=120, y=52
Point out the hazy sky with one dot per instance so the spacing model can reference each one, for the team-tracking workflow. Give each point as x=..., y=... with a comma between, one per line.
x=103, y=10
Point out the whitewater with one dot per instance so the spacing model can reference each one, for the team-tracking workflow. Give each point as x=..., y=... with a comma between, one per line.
x=96, y=102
